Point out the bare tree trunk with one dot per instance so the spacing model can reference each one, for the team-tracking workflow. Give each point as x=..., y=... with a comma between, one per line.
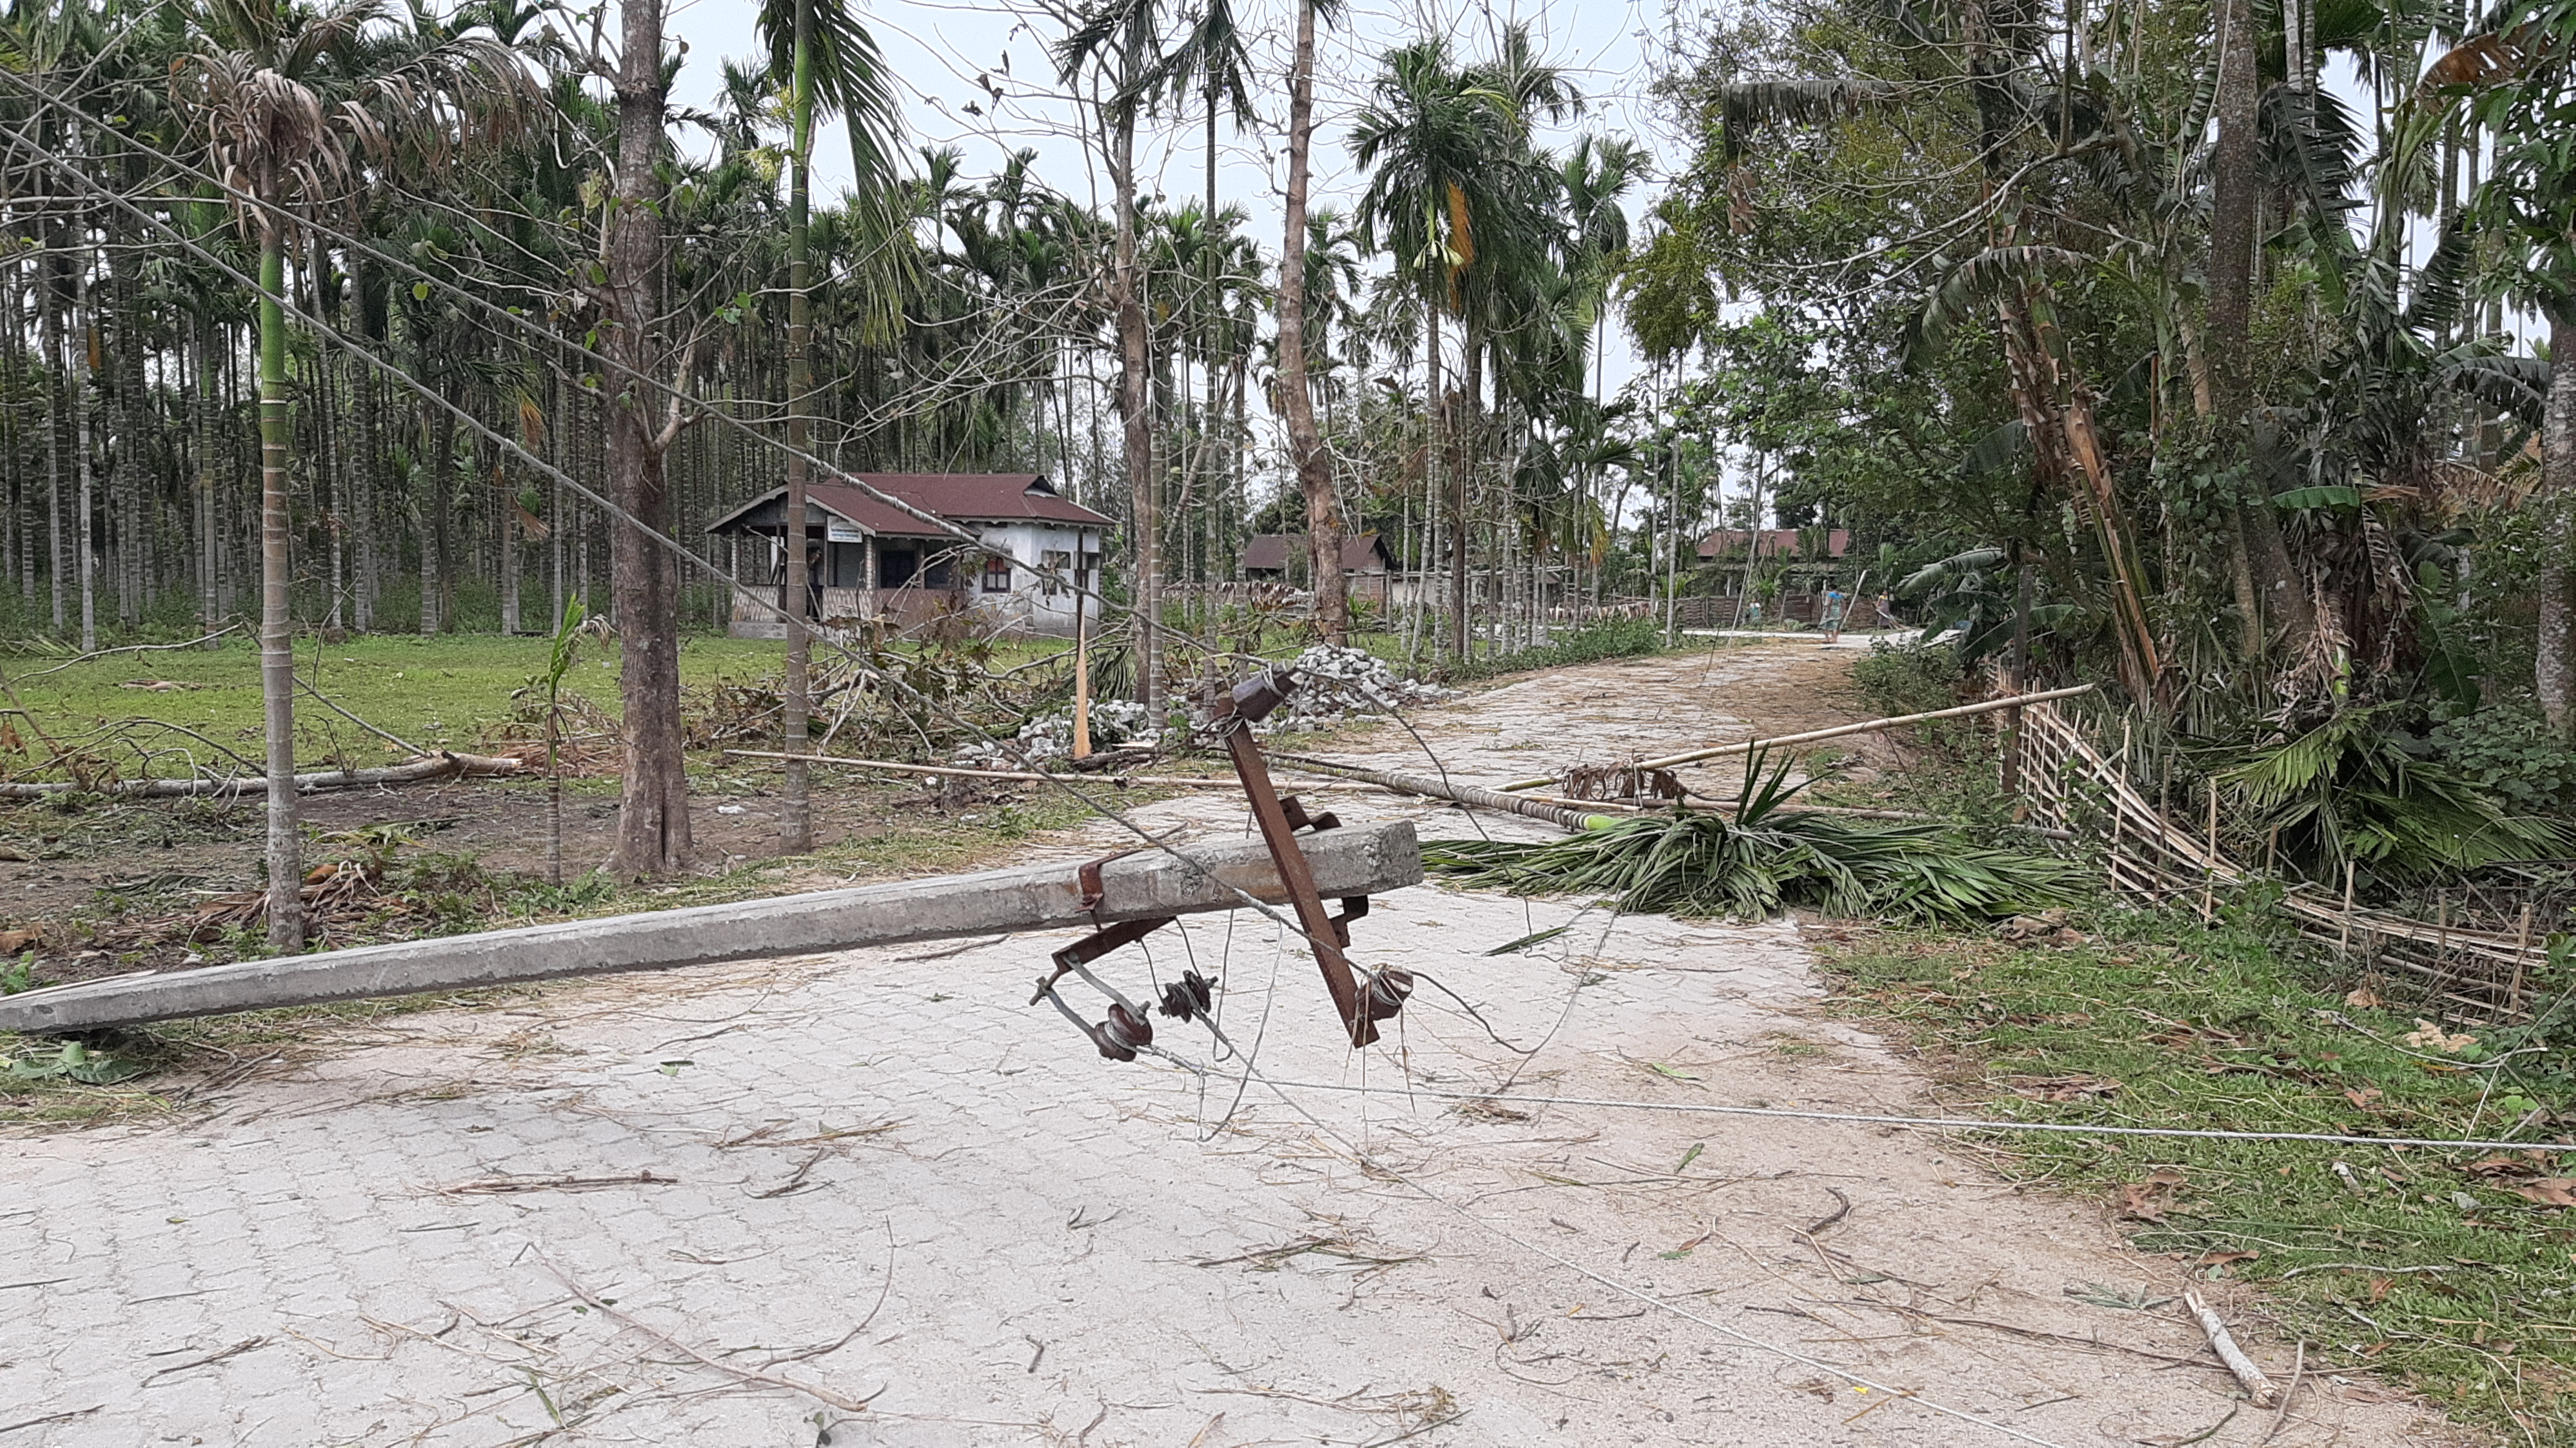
x=276, y=639
x=653, y=808
x=2554, y=677
x=1296, y=398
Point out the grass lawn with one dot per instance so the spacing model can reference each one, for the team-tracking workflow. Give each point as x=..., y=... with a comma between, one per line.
x=2451, y=1271
x=437, y=692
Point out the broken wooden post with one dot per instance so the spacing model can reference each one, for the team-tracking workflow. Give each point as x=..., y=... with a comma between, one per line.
x=1144, y=884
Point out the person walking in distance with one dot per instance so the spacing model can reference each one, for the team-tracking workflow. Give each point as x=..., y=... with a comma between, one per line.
x=1835, y=602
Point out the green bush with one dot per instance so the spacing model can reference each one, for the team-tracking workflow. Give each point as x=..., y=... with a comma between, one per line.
x=1911, y=679
x=2507, y=750
x=1616, y=639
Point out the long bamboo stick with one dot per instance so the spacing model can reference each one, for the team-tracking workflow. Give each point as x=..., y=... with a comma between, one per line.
x=1158, y=781
x=1467, y=794
x=1866, y=726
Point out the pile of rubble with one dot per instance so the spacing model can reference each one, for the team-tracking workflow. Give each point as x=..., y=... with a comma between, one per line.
x=1334, y=684
x=1049, y=737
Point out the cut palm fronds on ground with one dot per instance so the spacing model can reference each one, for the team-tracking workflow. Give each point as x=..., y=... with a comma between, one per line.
x=1762, y=859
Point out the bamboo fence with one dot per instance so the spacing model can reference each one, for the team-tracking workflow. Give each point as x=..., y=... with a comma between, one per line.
x=2478, y=971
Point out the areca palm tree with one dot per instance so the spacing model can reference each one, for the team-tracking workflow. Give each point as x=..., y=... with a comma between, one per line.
x=830, y=65
x=288, y=100
x=1465, y=204
x=1120, y=43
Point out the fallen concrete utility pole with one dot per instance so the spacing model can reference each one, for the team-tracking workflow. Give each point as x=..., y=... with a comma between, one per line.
x=429, y=767
x=1140, y=885
x=1866, y=726
x=1465, y=794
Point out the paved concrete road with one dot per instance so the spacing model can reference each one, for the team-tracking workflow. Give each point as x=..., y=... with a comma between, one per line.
x=707, y=1208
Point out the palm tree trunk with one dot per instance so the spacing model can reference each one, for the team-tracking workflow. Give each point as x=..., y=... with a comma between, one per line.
x=86, y=472
x=2554, y=675
x=796, y=810
x=1136, y=419
x=1296, y=398
x=653, y=835
x=202, y=404
x=2236, y=192
x=276, y=643
x=58, y=362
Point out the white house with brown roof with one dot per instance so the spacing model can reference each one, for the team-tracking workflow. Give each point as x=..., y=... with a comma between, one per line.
x=872, y=563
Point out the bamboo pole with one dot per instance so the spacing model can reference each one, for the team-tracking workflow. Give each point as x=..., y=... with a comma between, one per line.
x=2209, y=881
x=1155, y=781
x=1081, y=678
x=1465, y=794
x=2521, y=944
x=1867, y=726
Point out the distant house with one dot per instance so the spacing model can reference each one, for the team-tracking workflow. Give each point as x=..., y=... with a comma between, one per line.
x=1281, y=558
x=1774, y=543
x=874, y=563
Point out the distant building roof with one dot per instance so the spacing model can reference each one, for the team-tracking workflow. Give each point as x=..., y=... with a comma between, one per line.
x=1775, y=542
x=1270, y=552
x=956, y=497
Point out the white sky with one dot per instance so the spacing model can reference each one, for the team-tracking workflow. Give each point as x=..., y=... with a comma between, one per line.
x=937, y=52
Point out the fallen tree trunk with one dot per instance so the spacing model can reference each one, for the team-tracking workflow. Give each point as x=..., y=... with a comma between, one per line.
x=1812, y=736
x=444, y=764
x=1142, y=885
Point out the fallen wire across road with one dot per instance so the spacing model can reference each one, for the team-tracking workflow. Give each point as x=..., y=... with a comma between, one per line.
x=1937, y=1123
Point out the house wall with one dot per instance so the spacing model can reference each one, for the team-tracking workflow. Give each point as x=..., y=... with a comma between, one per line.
x=1029, y=603
x=1024, y=603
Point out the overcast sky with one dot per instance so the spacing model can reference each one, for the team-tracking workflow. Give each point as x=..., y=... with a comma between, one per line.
x=948, y=57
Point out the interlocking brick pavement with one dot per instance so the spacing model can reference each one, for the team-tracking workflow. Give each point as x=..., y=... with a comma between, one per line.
x=884, y=1175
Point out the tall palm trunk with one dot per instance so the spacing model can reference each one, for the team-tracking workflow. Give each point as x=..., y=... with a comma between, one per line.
x=796, y=810
x=653, y=808
x=1136, y=419
x=1305, y=441
x=86, y=523
x=2554, y=676
x=2236, y=190
x=276, y=643
x=58, y=363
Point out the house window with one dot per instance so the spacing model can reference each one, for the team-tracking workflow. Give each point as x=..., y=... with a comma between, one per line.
x=1059, y=567
x=896, y=566
x=997, y=575
x=940, y=574
x=849, y=565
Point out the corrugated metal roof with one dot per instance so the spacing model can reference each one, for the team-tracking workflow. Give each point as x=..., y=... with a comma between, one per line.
x=1270, y=552
x=957, y=497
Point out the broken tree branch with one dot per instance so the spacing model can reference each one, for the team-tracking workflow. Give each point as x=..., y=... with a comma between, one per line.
x=2257, y=1386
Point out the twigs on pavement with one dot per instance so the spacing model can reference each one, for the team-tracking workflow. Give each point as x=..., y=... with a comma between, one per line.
x=822, y=1395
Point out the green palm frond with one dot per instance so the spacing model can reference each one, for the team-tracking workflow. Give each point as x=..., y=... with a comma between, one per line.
x=1711, y=865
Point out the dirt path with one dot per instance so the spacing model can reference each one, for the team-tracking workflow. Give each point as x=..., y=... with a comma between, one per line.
x=885, y=1173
